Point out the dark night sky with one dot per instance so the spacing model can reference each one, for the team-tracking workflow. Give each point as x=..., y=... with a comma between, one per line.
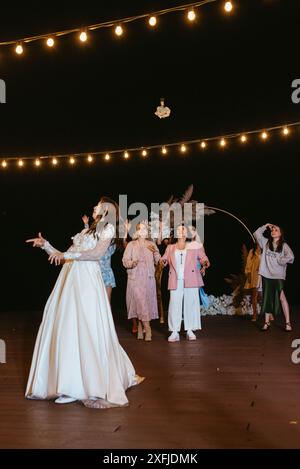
x=220, y=75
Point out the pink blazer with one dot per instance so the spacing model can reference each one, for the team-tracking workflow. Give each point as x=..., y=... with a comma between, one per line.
x=192, y=275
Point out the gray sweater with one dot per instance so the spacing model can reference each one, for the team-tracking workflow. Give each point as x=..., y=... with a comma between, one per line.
x=273, y=264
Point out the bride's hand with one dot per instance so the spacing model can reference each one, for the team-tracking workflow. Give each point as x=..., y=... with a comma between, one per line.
x=85, y=219
x=37, y=242
x=56, y=258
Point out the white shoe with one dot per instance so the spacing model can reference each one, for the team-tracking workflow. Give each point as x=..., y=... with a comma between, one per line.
x=174, y=337
x=190, y=335
x=64, y=400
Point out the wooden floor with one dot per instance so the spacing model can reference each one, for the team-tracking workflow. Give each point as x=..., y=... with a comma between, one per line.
x=235, y=387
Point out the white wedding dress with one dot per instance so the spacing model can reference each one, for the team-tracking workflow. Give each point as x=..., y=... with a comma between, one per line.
x=77, y=352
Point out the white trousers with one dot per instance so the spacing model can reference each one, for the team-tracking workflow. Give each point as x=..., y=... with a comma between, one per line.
x=184, y=302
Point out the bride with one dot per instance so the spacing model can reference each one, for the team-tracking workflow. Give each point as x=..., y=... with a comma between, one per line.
x=77, y=355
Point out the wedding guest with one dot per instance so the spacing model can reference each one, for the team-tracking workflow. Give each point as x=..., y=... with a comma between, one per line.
x=276, y=254
x=185, y=279
x=253, y=279
x=139, y=259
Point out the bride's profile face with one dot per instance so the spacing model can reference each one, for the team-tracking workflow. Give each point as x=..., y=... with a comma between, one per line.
x=97, y=210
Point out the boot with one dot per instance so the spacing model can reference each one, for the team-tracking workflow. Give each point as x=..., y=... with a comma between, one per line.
x=140, y=335
x=148, y=335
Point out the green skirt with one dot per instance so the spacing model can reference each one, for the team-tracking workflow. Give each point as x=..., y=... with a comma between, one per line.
x=272, y=287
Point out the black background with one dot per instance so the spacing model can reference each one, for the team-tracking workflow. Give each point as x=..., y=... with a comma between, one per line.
x=221, y=75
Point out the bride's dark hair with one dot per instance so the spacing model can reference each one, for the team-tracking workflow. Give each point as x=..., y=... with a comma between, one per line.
x=109, y=215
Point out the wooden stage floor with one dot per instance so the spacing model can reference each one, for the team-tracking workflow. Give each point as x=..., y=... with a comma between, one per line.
x=235, y=387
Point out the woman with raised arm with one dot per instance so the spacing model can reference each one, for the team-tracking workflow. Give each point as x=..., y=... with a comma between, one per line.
x=276, y=254
x=77, y=354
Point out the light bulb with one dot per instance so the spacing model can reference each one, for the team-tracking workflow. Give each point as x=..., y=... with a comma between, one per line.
x=243, y=138
x=50, y=42
x=72, y=160
x=107, y=156
x=164, y=150
x=4, y=164
x=152, y=20
x=223, y=142
x=264, y=135
x=19, y=49
x=144, y=153
x=126, y=155
x=191, y=15
x=37, y=162
x=183, y=148
x=228, y=7
x=21, y=163
x=285, y=131
x=83, y=36
x=119, y=30
x=54, y=161
x=203, y=144
x=90, y=158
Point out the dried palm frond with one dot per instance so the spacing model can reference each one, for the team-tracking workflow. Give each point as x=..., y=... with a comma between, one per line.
x=186, y=195
x=245, y=253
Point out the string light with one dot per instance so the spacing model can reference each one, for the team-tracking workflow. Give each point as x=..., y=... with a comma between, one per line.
x=285, y=131
x=50, y=42
x=152, y=21
x=228, y=7
x=222, y=141
x=191, y=15
x=119, y=30
x=19, y=49
x=83, y=36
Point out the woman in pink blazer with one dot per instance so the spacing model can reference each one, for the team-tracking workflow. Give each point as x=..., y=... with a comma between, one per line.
x=185, y=279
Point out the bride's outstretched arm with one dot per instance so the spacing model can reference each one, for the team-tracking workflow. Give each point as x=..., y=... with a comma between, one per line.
x=42, y=243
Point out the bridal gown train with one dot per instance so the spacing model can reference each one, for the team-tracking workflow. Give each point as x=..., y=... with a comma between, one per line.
x=77, y=352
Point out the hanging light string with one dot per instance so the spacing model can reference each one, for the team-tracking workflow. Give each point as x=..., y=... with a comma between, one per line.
x=191, y=15
x=222, y=140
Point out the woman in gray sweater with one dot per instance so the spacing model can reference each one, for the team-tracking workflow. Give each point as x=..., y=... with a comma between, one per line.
x=276, y=254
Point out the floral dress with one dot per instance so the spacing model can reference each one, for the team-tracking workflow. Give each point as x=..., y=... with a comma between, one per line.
x=105, y=266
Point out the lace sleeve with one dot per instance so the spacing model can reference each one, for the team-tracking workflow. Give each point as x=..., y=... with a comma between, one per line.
x=49, y=249
x=97, y=252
